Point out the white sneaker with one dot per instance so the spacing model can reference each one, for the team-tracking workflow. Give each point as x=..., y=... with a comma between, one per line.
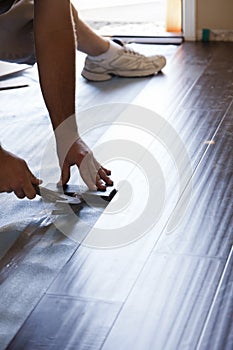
x=126, y=63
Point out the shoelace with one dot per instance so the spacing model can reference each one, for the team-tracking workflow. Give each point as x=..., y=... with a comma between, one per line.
x=127, y=49
x=131, y=51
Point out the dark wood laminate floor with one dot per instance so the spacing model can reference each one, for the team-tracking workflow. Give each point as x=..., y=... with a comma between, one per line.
x=168, y=290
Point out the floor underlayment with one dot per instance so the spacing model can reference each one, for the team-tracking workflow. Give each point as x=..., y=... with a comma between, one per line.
x=56, y=290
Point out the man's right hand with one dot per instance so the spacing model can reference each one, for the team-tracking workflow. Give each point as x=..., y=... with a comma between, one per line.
x=15, y=176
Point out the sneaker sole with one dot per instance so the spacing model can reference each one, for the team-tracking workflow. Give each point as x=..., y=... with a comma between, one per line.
x=91, y=76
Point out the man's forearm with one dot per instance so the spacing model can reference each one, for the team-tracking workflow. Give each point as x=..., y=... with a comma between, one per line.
x=55, y=50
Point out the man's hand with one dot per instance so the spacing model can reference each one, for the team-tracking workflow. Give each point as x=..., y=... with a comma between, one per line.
x=92, y=173
x=15, y=176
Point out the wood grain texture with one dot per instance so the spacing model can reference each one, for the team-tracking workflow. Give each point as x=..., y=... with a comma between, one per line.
x=207, y=226
x=205, y=234
x=167, y=92
x=100, y=274
x=168, y=306
x=218, y=330
x=163, y=291
x=66, y=323
x=194, y=127
x=166, y=312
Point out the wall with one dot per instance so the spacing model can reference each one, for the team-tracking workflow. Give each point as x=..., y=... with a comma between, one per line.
x=215, y=14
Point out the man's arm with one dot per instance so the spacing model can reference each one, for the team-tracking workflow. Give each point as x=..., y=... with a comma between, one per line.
x=55, y=49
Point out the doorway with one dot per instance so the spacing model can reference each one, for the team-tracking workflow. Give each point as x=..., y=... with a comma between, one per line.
x=137, y=20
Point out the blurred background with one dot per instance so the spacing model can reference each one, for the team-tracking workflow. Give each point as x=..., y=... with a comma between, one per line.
x=129, y=17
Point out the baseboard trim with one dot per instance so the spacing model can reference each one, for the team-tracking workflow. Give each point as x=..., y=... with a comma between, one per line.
x=217, y=35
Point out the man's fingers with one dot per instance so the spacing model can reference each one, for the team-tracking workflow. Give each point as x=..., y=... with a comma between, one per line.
x=100, y=183
x=19, y=193
x=104, y=176
x=103, y=173
x=15, y=176
x=93, y=174
x=108, y=172
x=88, y=171
x=29, y=190
x=65, y=174
x=87, y=176
x=27, y=187
x=35, y=180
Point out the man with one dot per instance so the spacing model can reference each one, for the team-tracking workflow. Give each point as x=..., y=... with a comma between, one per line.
x=55, y=30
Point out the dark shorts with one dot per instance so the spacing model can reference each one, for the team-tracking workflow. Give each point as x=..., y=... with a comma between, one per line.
x=16, y=32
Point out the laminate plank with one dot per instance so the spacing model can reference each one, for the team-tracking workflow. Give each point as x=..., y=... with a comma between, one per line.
x=207, y=226
x=101, y=274
x=214, y=88
x=218, y=330
x=168, y=306
x=169, y=90
x=66, y=323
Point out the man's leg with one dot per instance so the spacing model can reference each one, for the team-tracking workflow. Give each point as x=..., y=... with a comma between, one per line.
x=108, y=58
x=88, y=41
x=105, y=58
x=16, y=33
